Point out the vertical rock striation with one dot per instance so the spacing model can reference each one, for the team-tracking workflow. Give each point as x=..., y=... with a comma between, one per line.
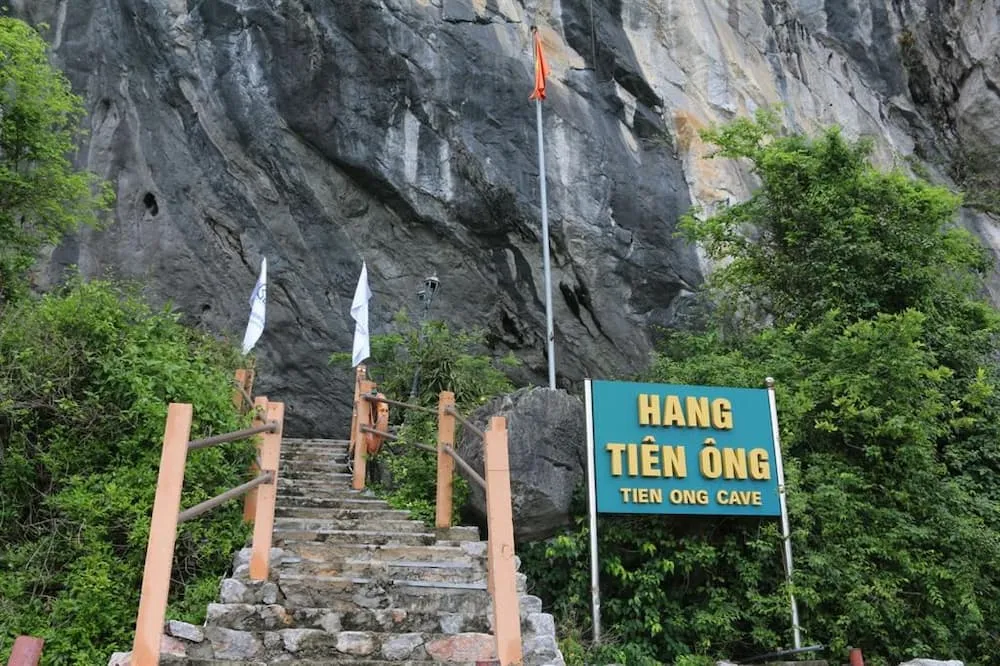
x=321, y=132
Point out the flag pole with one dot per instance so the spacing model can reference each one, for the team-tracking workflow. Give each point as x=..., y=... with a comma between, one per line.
x=549, y=328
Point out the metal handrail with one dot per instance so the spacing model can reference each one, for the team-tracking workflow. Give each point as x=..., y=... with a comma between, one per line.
x=218, y=500
x=380, y=433
x=375, y=398
x=465, y=422
x=232, y=436
x=464, y=465
x=243, y=391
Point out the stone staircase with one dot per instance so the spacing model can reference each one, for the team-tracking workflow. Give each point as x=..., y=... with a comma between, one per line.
x=354, y=582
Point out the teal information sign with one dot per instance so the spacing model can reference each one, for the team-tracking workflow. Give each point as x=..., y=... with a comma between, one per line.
x=699, y=450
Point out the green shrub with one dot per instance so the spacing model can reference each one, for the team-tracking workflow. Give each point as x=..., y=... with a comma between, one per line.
x=42, y=196
x=867, y=309
x=85, y=379
x=447, y=361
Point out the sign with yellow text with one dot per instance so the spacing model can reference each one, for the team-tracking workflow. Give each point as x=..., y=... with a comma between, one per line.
x=661, y=448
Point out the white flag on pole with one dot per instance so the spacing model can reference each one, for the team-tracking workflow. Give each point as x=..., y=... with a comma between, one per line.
x=258, y=302
x=359, y=313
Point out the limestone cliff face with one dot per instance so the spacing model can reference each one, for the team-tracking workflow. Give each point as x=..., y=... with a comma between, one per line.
x=324, y=132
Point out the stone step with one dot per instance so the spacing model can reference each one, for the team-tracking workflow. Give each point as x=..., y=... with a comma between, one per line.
x=344, y=501
x=348, y=525
x=338, y=481
x=319, y=513
x=332, y=644
x=309, y=443
x=345, y=593
x=366, y=524
x=262, y=617
x=299, y=458
x=315, y=551
x=314, y=471
x=334, y=449
x=372, y=537
x=468, y=571
x=319, y=491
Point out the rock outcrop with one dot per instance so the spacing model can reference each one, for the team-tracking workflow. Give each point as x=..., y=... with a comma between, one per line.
x=399, y=132
x=546, y=444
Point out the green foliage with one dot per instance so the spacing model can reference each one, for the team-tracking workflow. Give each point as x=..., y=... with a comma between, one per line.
x=883, y=350
x=85, y=379
x=41, y=195
x=447, y=361
x=977, y=171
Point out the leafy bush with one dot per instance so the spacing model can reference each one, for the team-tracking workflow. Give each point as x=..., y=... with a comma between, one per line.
x=85, y=379
x=447, y=361
x=867, y=310
x=42, y=195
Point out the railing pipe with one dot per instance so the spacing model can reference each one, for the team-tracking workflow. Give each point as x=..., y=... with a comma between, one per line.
x=480, y=481
x=408, y=405
x=465, y=422
x=162, y=536
x=381, y=433
x=27, y=651
x=231, y=436
x=218, y=500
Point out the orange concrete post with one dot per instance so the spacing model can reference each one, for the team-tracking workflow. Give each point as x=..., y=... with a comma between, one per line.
x=363, y=409
x=162, y=535
x=241, y=381
x=27, y=651
x=856, y=658
x=250, y=499
x=244, y=385
x=500, y=522
x=360, y=374
x=263, y=524
x=445, y=463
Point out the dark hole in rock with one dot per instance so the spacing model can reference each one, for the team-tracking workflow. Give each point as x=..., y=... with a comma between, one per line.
x=150, y=202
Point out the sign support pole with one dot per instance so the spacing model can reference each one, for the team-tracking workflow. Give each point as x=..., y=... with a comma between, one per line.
x=595, y=587
x=786, y=536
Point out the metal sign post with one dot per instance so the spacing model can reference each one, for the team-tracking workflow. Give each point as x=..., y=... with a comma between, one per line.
x=671, y=449
x=595, y=587
x=786, y=533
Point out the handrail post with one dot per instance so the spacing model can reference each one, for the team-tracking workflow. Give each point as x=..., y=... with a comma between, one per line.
x=359, y=375
x=445, y=463
x=27, y=651
x=364, y=418
x=162, y=535
x=244, y=387
x=500, y=523
x=250, y=499
x=269, y=447
x=245, y=378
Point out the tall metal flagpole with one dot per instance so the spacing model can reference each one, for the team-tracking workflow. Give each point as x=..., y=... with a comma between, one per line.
x=549, y=332
x=786, y=535
x=595, y=577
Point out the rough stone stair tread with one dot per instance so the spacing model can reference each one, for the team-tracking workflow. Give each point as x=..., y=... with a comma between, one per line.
x=345, y=562
x=313, y=662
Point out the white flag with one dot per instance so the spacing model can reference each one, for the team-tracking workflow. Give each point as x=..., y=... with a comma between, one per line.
x=258, y=302
x=359, y=313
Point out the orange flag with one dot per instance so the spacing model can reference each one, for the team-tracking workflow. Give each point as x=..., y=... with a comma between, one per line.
x=541, y=69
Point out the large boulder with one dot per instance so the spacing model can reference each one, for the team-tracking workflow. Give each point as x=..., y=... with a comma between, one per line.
x=547, y=448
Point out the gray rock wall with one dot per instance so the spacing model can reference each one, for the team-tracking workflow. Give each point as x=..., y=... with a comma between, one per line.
x=322, y=132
